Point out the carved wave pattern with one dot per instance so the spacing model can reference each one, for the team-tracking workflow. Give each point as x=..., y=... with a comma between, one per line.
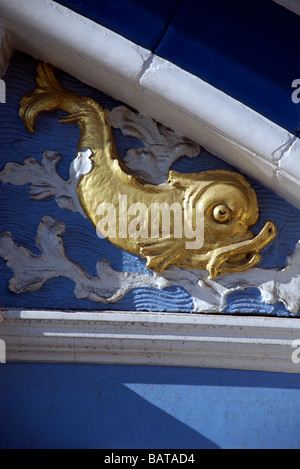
x=249, y=301
x=21, y=216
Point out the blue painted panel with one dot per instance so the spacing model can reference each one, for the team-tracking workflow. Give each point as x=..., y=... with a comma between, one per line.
x=142, y=22
x=131, y=407
x=247, y=49
x=21, y=216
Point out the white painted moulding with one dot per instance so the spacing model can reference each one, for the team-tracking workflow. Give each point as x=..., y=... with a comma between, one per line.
x=86, y=50
x=290, y=162
x=249, y=343
x=159, y=89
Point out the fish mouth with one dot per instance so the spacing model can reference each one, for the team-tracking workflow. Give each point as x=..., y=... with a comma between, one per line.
x=241, y=256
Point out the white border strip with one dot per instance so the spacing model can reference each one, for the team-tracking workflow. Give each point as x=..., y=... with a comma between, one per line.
x=127, y=72
x=167, y=339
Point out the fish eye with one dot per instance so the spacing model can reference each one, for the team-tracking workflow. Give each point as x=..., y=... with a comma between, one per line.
x=221, y=214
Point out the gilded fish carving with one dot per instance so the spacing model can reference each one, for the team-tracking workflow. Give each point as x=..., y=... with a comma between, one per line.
x=222, y=202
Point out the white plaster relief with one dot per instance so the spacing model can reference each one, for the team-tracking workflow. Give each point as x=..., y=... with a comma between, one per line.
x=32, y=271
x=162, y=146
x=274, y=285
x=81, y=166
x=45, y=181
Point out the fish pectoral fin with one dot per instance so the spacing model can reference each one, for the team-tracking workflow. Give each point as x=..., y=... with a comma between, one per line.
x=160, y=253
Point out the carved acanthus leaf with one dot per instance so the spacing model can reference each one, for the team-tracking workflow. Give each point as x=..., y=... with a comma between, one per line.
x=32, y=271
x=44, y=180
x=162, y=146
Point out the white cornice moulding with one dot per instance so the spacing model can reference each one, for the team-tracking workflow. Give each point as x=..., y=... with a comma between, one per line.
x=166, y=339
x=155, y=87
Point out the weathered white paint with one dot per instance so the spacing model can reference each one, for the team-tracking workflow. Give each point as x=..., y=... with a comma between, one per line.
x=151, y=339
x=107, y=61
x=81, y=165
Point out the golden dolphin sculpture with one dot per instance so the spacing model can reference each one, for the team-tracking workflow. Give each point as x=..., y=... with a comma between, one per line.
x=224, y=201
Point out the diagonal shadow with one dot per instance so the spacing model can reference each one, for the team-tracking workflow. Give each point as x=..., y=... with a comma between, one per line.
x=90, y=406
x=54, y=407
x=146, y=426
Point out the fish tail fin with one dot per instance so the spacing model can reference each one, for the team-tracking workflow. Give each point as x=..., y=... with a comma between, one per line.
x=48, y=96
x=95, y=132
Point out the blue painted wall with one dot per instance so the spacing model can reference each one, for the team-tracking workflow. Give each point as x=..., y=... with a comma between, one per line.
x=119, y=407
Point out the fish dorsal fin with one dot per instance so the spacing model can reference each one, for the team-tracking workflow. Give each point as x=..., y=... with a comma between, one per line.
x=194, y=184
x=185, y=180
x=203, y=179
